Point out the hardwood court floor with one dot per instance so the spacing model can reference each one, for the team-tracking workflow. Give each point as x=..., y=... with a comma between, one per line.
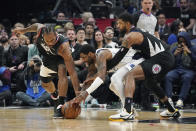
x=40, y=119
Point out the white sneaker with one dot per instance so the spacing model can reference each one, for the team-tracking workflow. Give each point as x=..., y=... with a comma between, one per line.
x=123, y=115
x=179, y=104
x=174, y=114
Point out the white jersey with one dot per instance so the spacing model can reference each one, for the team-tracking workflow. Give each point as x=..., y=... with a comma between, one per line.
x=128, y=58
x=112, y=44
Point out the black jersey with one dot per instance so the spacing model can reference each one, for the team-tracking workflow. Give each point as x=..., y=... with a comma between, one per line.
x=151, y=46
x=45, y=50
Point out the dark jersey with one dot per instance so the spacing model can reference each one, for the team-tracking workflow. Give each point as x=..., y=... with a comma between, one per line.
x=150, y=46
x=47, y=51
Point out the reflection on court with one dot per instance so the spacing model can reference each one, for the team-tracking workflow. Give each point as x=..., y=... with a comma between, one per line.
x=36, y=119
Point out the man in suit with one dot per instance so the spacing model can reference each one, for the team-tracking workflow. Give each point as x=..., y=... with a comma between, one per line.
x=163, y=27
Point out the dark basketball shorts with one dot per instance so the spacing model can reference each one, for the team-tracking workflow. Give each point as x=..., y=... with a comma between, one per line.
x=49, y=68
x=158, y=66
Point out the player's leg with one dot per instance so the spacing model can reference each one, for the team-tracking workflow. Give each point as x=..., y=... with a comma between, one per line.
x=171, y=111
x=129, y=89
x=136, y=74
x=62, y=91
x=155, y=70
x=117, y=85
x=47, y=75
x=117, y=78
x=62, y=83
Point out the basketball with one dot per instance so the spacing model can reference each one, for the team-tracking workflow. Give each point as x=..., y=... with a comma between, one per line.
x=71, y=110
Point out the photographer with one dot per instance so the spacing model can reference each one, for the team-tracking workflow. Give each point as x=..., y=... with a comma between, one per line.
x=35, y=95
x=185, y=57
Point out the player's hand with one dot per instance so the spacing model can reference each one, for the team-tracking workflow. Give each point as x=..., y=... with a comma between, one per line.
x=19, y=31
x=88, y=81
x=81, y=97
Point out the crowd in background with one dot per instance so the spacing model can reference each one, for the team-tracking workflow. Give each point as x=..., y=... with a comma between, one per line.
x=20, y=60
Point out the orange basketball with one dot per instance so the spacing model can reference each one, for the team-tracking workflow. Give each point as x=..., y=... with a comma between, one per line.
x=71, y=110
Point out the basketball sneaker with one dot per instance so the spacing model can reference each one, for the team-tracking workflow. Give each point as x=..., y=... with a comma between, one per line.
x=179, y=104
x=167, y=114
x=123, y=115
x=57, y=110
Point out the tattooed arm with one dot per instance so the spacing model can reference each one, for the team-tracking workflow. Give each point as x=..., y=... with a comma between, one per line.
x=101, y=59
x=98, y=78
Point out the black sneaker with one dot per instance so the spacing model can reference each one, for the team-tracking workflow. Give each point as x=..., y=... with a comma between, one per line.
x=57, y=110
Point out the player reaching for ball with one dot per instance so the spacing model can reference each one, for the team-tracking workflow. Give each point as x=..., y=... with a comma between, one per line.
x=56, y=56
x=158, y=61
x=99, y=63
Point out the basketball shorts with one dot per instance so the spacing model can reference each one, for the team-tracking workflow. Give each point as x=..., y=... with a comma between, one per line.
x=158, y=66
x=49, y=68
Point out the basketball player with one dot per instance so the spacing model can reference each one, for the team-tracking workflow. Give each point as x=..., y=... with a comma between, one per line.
x=99, y=63
x=54, y=49
x=158, y=61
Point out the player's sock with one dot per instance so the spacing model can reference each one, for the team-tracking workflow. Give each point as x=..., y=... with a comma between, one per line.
x=169, y=106
x=62, y=100
x=128, y=104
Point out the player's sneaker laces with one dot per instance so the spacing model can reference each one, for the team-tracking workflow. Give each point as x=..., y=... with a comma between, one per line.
x=166, y=113
x=123, y=115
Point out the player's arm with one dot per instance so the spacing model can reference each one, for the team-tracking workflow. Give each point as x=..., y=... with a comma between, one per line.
x=32, y=28
x=133, y=38
x=101, y=59
x=100, y=75
x=156, y=33
x=65, y=52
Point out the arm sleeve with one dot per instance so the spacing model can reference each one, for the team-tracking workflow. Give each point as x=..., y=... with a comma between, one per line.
x=117, y=58
x=136, y=17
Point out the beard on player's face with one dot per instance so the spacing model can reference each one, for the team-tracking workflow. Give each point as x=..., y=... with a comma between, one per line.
x=123, y=30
